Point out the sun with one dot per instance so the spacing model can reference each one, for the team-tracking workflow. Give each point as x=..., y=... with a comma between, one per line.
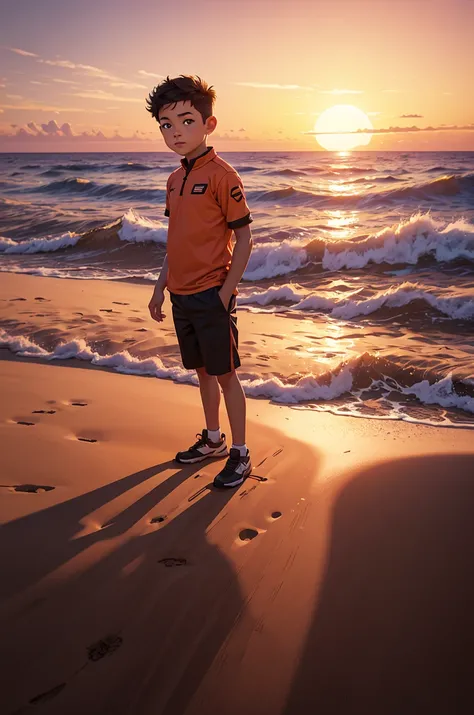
x=342, y=118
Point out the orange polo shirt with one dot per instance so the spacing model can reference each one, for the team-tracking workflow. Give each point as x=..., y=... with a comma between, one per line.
x=205, y=202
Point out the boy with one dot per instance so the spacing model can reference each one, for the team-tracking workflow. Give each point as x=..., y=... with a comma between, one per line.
x=205, y=202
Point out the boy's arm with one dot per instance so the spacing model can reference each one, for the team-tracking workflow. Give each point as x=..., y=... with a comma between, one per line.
x=158, y=297
x=240, y=257
x=162, y=281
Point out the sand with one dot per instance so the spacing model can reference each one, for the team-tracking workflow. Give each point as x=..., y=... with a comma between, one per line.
x=338, y=579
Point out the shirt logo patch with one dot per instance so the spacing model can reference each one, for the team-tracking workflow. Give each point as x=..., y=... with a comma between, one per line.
x=199, y=188
x=236, y=193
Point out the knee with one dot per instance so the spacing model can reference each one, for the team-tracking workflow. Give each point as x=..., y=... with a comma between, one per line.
x=226, y=380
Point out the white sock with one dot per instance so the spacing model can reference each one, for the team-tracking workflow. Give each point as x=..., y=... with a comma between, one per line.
x=242, y=449
x=214, y=434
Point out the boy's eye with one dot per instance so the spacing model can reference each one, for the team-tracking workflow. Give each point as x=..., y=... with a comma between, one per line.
x=188, y=120
x=165, y=125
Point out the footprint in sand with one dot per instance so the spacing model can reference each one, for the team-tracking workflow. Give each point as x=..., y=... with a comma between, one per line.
x=171, y=562
x=157, y=519
x=12, y=299
x=48, y=695
x=86, y=439
x=141, y=330
x=28, y=424
x=106, y=646
x=248, y=534
x=46, y=300
x=32, y=488
x=79, y=404
x=43, y=412
x=276, y=514
x=117, y=302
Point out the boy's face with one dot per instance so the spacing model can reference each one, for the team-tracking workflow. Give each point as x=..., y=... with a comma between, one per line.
x=183, y=129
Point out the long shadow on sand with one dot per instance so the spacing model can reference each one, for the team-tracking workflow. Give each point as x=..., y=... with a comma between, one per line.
x=393, y=631
x=167, y=596
x=42, y=541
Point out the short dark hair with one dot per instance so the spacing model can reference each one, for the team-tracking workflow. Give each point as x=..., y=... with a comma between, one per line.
x=184, y=88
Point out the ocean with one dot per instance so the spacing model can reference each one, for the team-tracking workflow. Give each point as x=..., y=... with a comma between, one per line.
x=369, y=256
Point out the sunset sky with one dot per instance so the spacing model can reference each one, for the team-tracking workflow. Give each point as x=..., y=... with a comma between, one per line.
x=74, y=76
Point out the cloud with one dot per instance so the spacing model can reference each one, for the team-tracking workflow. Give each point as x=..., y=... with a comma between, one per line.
x=24, y=53
x=66, y=81
x=151, y=74
x=13, y=96
x=405, y=130
x=36, y=107
x=341, y=91
x=36, y=81
x=53, y=134
x=129, y=85
x=100, y=94
x=229, y=136
x=89, y=70
x=411, y=116
x=262, y=85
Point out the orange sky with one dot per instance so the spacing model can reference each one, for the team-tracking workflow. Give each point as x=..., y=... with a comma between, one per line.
x=75, y=78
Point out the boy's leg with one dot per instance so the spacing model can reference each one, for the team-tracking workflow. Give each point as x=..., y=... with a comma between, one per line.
x=192, y=359
x=235, y=404
x=210, y=398
x=238, y=466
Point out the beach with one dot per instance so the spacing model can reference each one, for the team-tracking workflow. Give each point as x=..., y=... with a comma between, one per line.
x=337, y=579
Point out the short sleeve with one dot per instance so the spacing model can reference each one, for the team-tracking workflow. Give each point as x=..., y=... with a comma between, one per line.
x=167, y=208
x=231, y=198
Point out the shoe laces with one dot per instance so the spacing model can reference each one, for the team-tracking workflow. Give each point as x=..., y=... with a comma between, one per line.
x=232, y=463
x=201, y=442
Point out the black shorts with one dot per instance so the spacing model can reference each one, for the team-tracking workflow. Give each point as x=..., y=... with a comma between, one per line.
x=207, y=332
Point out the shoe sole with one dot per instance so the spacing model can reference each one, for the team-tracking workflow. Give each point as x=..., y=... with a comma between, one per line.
x=239, y=481
x=211, y=455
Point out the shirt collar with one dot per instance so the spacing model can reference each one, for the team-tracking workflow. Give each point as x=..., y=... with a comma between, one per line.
x=199, y=161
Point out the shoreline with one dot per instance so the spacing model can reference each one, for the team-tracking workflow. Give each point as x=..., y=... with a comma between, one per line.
x=107, y=323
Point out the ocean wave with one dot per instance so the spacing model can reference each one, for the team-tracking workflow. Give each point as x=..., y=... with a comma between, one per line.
x=47, y=244
x=109, y=191
x=134, y=166
x=130, y=228
x=350, y=378
x=269, y=260
x=421, y=236
x=77, y=167
x=411, y=296
x=286, y=172
x=445, y=186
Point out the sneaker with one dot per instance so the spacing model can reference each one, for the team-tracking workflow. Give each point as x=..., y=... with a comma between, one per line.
x=202, y=449
x=237, y=469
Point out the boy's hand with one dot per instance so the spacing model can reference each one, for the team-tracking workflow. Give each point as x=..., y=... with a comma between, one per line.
x=155, y=304
x=225, y=298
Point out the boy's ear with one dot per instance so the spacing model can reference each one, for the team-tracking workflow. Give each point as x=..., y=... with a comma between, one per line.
x=211, y=124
